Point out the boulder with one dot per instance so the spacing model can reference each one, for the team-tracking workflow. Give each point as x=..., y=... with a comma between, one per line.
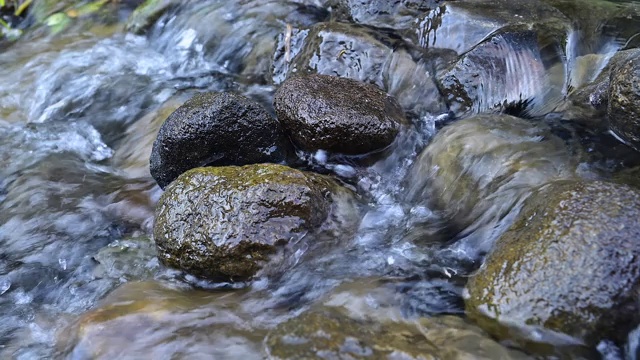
x=216, y=129
x=339, y=115
x=224, y=223
x=478, y=170
x=567, y=265
x=624, y=102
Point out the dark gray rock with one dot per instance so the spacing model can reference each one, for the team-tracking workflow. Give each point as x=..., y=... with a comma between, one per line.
x=624, y=102
x=568, y=264
x=216, y=129
x=337, y=115
x=225, y=223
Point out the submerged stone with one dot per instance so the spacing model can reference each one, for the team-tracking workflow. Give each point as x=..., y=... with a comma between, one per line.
x=216, y=129
x=478, y=170
x=327, y=333
x=145, y=320
x=321, y=112
x=567, y=265
x=225, y=223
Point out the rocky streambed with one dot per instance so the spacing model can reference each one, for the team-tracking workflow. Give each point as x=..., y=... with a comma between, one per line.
x=322, y=179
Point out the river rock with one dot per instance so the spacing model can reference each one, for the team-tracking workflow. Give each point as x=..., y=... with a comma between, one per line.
x=478, y=169
x=568, y=265
x=226, y=222
x=377, y=56
x=216, y=129
x=321, y=112
x=595, y=94
x=327, y=333
x=624, y=102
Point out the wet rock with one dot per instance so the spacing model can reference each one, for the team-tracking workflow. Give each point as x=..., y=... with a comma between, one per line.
x=375, y=56
x=226, y=222
x=594, y=95
x=147, y=13
x=623, y=108
x=567, y=265
x=327, y=333
x=216, y=129
x=505, y=72
x=479, y=170
x=134, y=150
x=151, y=320
x=321, y=112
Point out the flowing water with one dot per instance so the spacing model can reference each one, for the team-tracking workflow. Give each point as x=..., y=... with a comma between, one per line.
x=76, y=200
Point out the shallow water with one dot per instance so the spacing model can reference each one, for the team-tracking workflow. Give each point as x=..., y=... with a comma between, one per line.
x=76, y=214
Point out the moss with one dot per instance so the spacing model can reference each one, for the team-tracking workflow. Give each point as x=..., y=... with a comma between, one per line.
x=225, y=222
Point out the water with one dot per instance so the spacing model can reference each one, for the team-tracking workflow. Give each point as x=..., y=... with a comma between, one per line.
x=76, y=199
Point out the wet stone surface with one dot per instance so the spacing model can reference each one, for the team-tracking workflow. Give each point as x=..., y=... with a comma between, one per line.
x=567, y=264
x=321, y=112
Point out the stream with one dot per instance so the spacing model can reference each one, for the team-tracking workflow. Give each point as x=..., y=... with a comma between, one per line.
x=79, y=110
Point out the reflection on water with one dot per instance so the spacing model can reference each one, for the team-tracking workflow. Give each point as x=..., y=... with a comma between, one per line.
x=76, y=199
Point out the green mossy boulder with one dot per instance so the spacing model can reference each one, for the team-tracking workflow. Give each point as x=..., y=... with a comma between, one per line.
x=224, y=223
x=569, y=265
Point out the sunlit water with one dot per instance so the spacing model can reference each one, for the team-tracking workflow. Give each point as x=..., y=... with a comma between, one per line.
x=66, y=206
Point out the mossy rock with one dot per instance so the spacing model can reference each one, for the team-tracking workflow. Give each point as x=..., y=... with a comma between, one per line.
x=225, y=222
x=568, y=265
x=478, y=169
x=624, y=102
